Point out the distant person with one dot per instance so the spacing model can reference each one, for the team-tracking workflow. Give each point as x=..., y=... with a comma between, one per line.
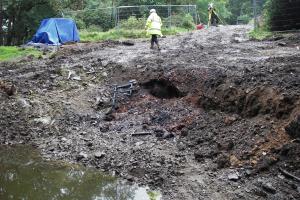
x=213, y=18
x=153, y=27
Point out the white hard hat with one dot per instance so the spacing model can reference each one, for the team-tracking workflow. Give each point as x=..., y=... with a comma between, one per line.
x=210, y=5
x=152, y=11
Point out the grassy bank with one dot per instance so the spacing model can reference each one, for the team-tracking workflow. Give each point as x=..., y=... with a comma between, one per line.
x=260, y=34
x=9, y=53
x=114, y=34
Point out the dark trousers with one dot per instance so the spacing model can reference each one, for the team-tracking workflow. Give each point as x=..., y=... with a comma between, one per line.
x=154, y=40
x=214, y=19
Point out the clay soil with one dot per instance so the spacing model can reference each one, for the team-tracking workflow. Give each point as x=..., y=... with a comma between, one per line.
x=214, y=115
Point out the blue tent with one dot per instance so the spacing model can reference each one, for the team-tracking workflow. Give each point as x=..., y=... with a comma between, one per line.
x=56, y=31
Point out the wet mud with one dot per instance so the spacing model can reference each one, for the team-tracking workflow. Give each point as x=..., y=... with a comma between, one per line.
x=214, y=115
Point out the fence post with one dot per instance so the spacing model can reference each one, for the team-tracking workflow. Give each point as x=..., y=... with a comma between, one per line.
x=255, y=13
x=118, y=17
x=170, y=15
x=115, y=16
x=195, y=14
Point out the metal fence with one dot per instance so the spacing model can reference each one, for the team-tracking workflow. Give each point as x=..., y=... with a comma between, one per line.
x=168, y=13
x=258, y=6
x=111, y=17
x=100, y=18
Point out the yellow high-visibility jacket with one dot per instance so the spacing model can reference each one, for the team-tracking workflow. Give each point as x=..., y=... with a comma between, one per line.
x=153, y=25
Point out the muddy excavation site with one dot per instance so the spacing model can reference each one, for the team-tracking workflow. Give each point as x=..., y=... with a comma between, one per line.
x=213, y=115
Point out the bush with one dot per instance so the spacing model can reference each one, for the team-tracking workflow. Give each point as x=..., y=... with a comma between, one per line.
x=96, y=20
x=80, y=24
x=133, y=23
x=245, y=19
x=271, y=9
x=260, y=34
x=188, y=22
x=183, y=21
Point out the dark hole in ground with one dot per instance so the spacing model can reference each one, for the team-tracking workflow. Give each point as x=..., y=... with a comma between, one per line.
x=162, y=88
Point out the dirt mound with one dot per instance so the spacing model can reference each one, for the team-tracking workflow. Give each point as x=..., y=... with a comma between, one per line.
x=212, y=119
x=250, y=102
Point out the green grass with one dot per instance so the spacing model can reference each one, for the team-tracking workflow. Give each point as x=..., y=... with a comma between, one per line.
x=12, y=52
x=260, y=34
x=114, y=34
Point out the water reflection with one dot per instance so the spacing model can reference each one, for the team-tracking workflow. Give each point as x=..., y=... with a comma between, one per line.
x=25, y=176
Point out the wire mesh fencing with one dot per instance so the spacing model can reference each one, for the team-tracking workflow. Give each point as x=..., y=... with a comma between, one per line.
x=100, y=19
x=258, y=7
x=171, y=15
x=127, y=16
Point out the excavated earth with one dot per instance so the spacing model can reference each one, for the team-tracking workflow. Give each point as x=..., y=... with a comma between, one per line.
x=214, y=115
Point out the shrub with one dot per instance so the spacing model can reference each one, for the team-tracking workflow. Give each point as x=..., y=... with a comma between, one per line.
x=188, y=22
x=245, y=19
x=80, y=24
x=133, y=23
x=183, y=21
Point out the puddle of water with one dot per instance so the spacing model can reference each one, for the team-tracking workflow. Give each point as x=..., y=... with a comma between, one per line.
x=25, y=175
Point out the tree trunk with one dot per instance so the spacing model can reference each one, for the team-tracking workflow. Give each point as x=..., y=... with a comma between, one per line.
x=1, y=23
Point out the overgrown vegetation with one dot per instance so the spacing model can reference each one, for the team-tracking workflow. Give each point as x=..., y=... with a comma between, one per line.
x=12, y=52
x=260, y=34
x=116, y=34
x=134, y=28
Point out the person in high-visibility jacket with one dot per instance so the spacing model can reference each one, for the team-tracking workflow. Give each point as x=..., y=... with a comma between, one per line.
x=153, y=27
x=213, y=18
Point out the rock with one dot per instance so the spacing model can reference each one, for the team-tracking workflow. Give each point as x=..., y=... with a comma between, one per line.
x=99, y=154
x=268, y=188
x=168, y=135
x=130, y=178
x=23, y=103
x=181, y=146
x=102, y=102
x=104, y=74
x=104, y=128
x=233, y=176
x=260, y=192
x=282, y=44
x=81, y=156
x=229, y=120
x=76, y=78
x=44, y=120
x=248, y=172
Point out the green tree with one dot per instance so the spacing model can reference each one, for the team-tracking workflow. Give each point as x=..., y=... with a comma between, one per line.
x=20, y=18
